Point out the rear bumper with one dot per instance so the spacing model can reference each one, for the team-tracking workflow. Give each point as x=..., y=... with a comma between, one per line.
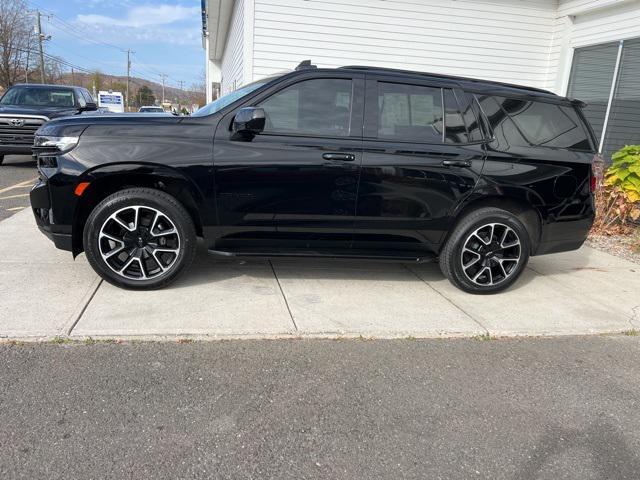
x=60, y=235
x=564, y=236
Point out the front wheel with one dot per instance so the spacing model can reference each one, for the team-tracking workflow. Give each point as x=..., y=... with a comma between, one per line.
x=486, y=252
x=139, y=238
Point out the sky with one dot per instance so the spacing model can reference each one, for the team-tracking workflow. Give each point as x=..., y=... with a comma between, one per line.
x=165, y=36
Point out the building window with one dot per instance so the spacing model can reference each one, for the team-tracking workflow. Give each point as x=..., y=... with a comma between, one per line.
x=595, y=70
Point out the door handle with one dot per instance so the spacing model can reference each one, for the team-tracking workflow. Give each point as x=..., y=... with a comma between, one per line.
x=345, y=157
x=456, y=163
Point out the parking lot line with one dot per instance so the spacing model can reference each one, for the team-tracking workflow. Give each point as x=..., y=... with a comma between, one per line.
x=14, y=209
x=22, y=195
x=25, y=184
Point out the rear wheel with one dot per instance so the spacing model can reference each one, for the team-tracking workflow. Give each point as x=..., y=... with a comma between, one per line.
x=139, y=238
x=486, y=252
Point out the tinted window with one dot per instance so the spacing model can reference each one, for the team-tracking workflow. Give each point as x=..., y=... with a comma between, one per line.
x=456, y=131
x=87, y=96
x=82, y=101
x=474, y=130
x=312, y=107
x=528, y=123
x=547, y=124
x=409, y=112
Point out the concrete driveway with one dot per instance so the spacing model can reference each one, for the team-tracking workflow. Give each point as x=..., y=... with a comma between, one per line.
x=44, y=293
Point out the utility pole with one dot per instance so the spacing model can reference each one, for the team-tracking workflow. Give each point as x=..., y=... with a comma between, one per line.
x=163, y=76
x=26, y=68
x=41, y=38
x=129, y=52
x=73, y=76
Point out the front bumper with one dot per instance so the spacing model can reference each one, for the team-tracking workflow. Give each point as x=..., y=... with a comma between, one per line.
x=7, y=149
x=41, y=206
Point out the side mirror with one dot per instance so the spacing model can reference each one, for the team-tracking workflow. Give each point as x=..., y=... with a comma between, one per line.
x=89, y=107
x=249, y=121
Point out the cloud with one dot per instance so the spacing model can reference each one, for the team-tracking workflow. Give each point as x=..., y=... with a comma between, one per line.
x=144, y=16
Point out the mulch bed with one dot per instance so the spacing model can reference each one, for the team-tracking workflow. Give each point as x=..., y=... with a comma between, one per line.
x=624, y=246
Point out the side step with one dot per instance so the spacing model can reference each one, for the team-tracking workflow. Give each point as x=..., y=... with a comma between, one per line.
x=354, y=255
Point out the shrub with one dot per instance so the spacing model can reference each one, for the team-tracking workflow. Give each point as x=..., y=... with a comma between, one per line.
x=618, y=197
x=624, y=172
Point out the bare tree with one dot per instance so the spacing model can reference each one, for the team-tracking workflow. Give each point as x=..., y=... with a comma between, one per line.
x=15, y=40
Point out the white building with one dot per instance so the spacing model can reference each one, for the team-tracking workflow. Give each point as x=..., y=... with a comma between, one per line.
x=587, y=49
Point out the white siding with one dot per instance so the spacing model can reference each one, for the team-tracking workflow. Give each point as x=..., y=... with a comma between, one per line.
x=617, y=23
x=498, y=40
x=233, y=58
x=582, y=23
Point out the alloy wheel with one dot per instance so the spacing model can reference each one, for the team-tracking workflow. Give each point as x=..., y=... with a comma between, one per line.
x=139, y=242
x=491, y=254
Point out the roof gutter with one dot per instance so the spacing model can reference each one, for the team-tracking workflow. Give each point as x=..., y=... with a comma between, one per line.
x=216, y=20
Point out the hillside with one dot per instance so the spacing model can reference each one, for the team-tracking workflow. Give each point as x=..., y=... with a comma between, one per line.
x=116, y=82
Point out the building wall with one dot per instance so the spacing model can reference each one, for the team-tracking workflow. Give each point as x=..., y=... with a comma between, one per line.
x=525, y=42
x=497, y=40
x=581, y=23
x=233, y=60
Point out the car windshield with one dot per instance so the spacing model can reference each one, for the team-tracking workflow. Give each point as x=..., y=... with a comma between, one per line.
x=39, y=97
x=229, y=98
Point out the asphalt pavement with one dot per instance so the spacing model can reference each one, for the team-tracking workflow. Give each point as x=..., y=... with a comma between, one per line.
x=554, y=408
x=17, y=174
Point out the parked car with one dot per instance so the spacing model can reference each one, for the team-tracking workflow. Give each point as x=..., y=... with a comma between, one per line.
x=151, y=109
x=354, y=162
x=24, y=108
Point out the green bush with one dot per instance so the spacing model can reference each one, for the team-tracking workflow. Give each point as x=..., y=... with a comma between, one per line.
x=624, y=172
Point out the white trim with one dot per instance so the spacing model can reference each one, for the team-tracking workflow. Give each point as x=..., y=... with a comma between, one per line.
x=611, y=94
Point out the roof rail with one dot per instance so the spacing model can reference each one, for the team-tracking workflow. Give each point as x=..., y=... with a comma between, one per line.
x=305, y=65
x=452, y=77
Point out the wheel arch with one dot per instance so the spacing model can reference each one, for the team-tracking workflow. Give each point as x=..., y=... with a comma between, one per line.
x=108, y=180
x=523, y=210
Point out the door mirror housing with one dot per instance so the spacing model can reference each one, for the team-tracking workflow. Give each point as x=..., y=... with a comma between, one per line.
x=249, y=121
x=89, y=107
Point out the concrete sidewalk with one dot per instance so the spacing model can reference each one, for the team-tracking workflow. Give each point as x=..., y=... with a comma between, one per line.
x=44, y=293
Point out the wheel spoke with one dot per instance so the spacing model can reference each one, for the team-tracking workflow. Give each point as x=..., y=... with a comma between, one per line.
x=164, y=233
x=473, y=261
x=124, y=225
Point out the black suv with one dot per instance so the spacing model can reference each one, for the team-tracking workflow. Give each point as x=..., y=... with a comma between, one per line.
x=24, y=108
x=354, y=162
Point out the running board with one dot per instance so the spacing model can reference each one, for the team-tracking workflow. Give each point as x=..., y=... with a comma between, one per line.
x=356, y=255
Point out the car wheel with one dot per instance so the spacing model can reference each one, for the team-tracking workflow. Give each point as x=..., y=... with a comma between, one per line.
x=486, y=252
x=1, y=159
x=139, y=238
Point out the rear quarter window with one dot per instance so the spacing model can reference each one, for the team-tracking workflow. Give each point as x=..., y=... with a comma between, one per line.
x=521, y=122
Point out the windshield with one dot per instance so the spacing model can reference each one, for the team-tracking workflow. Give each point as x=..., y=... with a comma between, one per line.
x=229, y=98
x=39, y=97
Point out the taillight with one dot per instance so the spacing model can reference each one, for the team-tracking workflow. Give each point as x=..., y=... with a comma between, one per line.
x=597, y=172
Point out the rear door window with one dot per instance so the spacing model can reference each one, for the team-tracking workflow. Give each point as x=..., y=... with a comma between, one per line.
x=410, y=113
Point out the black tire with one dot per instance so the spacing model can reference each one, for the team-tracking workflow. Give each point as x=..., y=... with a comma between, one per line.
x=1, y=159
x=143, y=204
x=499, y=269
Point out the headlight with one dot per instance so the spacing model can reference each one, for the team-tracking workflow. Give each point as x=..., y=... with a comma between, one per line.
x=60, y=143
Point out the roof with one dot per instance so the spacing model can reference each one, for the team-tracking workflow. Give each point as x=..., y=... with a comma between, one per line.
x=468, y=83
